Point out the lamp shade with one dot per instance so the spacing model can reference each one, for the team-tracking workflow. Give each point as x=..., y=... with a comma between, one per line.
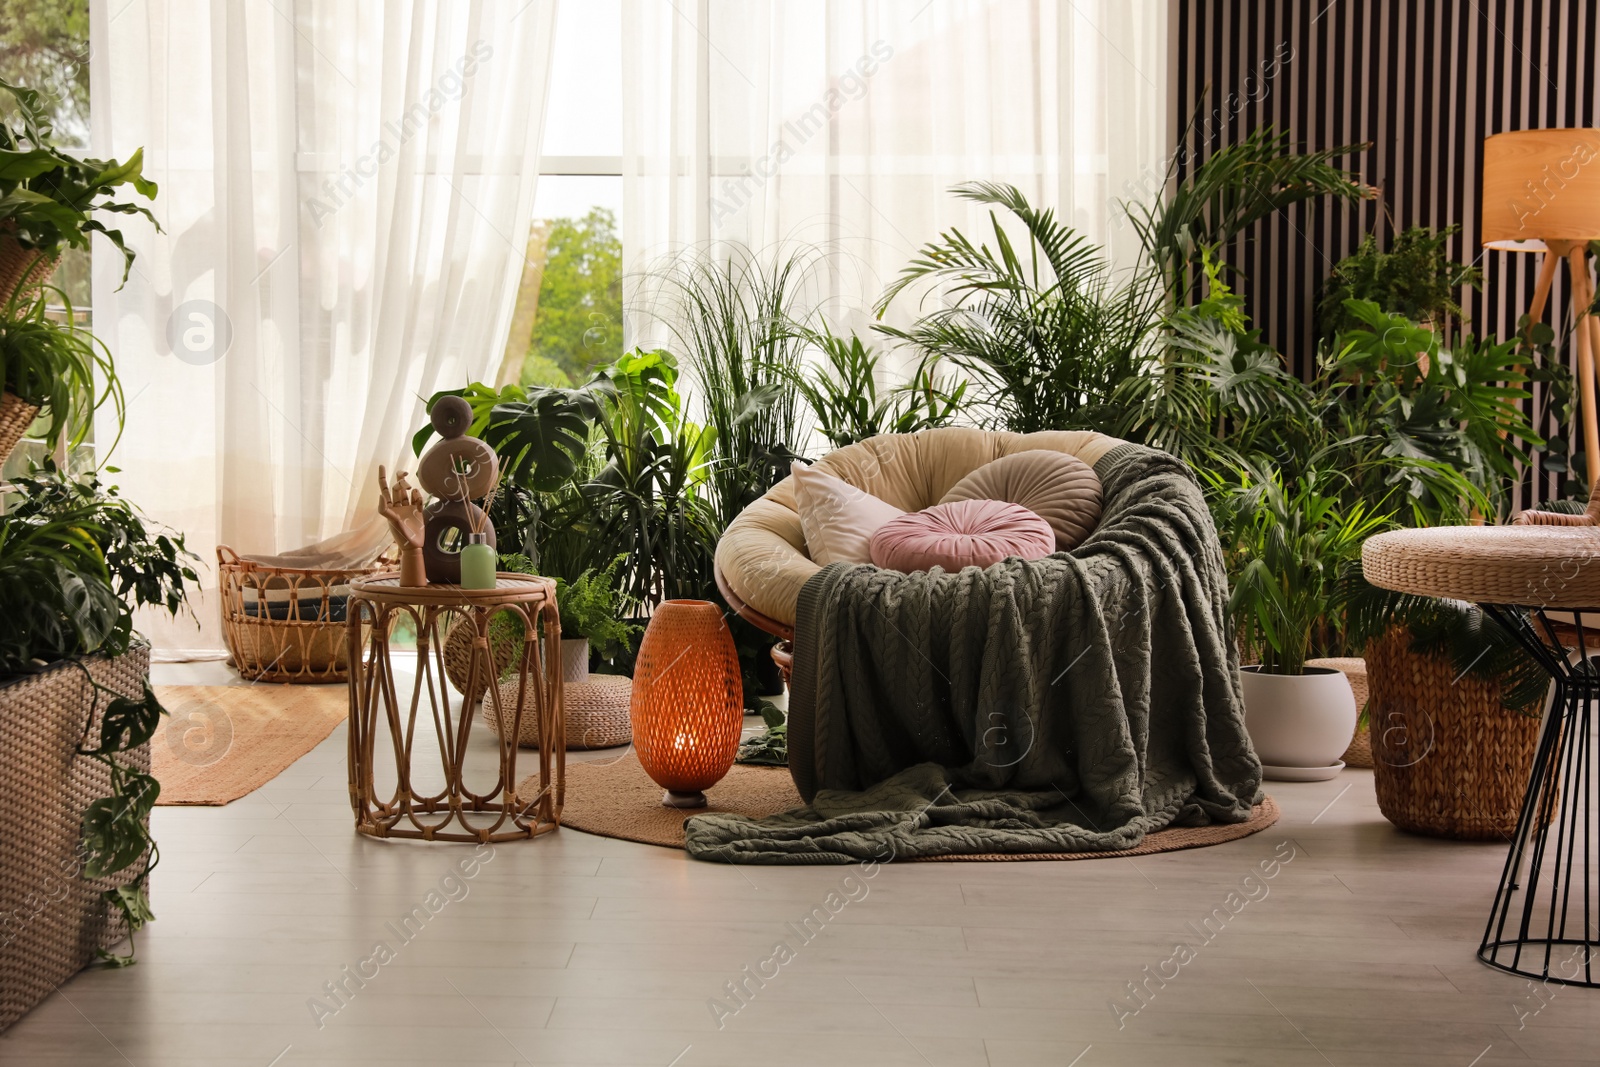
x=1540, y=186
x=688, y=706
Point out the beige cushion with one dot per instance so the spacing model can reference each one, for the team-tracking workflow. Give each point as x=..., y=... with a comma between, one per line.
x=762, y=554
x=1063, y=489
x=838, y=519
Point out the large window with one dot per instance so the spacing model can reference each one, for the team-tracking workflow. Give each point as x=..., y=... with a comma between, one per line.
x=575, y=323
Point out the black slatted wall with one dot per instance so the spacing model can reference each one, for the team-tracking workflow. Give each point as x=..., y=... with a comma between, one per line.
x=1423, y=80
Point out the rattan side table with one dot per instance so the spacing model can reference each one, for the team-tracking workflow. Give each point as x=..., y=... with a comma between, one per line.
x=384, y=715
x=1542, y=583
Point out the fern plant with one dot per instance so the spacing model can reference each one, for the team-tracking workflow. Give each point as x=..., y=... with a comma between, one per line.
x=591, y=607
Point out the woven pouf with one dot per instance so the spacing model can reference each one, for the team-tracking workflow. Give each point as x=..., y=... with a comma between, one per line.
x=1359, y=754
x=458, y=661
x=596, y=710
x=1448, y=759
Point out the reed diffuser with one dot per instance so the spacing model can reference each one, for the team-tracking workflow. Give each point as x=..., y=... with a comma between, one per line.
x=478, y=558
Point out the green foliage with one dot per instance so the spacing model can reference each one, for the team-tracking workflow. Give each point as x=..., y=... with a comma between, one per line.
x=731, y=320
x=116, y=831
x=592, y=607
x=771, y=747
x=75, y=559
x=55, y=365
x=579, y=325
x=1415, y=279
x=1289, y=542
x=45, y=43
x=540, y=435
x=1045, y=334
x=843, y=393
x=57, y=601
x=1235, y=186
x=1451, y=628
x=653, y=501
x=48, y=197
x=147, y=566
x=1441, y=424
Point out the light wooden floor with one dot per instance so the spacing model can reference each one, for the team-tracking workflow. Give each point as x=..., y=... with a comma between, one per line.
x=581, y=950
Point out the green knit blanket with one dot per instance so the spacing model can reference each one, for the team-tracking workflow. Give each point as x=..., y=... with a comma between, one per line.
x=1067, y=704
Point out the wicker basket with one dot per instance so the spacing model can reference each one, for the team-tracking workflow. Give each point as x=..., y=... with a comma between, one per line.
x=51, y=920
x=284, y=624
x=16, y=415
x=21, y=269
x=1359, y=754
x=1448, y=760
x=596, y=710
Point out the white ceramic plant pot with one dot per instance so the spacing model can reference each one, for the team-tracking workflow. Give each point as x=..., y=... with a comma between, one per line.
x=1299, y=724
x=575, y=660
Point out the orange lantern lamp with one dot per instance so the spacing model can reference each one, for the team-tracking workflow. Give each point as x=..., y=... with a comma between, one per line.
x=688, y=701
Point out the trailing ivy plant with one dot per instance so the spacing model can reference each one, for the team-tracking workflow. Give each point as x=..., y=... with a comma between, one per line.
x=116, y=832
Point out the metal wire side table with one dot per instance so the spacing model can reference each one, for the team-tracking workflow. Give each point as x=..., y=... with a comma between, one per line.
x=1551, y=935
x=521, y=608
x=1540, y=580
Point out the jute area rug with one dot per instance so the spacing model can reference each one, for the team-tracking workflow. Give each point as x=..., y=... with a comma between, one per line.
x=613, y=797
x=223, y=742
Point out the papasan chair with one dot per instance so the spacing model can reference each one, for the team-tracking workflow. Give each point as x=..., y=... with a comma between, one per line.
x=1065, y=702
x=761, y=561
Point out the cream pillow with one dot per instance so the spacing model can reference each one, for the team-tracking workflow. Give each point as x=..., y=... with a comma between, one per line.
x=1063, y=489
x=838, y=519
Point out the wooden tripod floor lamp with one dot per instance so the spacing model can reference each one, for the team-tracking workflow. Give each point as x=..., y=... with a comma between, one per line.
x=1541, y=193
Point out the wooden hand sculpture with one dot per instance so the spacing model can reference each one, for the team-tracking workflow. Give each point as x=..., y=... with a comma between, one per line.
x=402, y=507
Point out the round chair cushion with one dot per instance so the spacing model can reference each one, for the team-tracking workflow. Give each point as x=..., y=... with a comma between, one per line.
x=966, y=533
x=1063, y=489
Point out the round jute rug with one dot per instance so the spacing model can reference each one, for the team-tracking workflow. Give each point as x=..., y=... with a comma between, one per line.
x=613, y=797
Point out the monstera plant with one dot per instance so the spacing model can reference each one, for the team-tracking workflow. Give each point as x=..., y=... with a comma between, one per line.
x=542, y=436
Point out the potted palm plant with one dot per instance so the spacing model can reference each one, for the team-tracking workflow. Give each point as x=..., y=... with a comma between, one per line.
x=1291, y=542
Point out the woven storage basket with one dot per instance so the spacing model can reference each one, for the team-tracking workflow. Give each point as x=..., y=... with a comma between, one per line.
x=596, y=711
x=16, y=415
x=1359, y=754
x=284, y=624
x=52, y=920
x=21, y=269
x=1448, y=760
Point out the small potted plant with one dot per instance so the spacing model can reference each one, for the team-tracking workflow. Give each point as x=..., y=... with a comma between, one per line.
x=1290, y=543
x=52, y=368
x=591, y=622
x=49, y=198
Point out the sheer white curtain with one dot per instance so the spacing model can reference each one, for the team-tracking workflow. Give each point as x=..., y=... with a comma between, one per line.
x=345, y=198
x=845, y=123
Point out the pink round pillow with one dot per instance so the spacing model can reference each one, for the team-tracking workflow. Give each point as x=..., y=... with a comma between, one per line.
x=965, y=533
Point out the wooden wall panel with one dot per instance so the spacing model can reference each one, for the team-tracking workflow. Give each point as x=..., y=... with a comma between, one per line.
x=1423, y=80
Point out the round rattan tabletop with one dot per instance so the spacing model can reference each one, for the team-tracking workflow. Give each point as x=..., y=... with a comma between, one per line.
x=510, y=588
x=1527, y=566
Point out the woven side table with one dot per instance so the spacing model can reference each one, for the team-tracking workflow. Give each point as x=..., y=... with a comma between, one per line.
x=384, y=714
x=1542, y=583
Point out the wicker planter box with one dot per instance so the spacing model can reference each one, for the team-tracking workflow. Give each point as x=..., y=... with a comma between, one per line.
x=51, y=919
x=1448, y=760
